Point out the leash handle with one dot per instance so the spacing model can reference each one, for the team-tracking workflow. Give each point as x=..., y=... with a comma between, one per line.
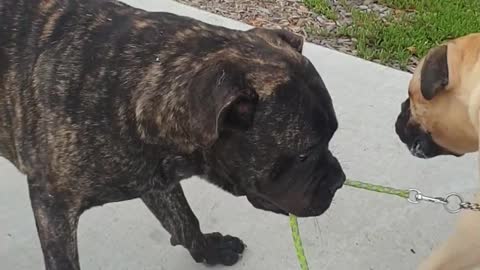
x=297, y=241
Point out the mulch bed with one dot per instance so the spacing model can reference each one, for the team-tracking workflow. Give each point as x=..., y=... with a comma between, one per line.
x=296, y=17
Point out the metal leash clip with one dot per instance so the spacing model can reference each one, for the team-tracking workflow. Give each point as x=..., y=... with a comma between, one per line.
x=452, y=203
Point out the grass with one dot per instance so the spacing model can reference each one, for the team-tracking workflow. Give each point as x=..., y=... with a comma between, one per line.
x=321, y=7
x=414, y=27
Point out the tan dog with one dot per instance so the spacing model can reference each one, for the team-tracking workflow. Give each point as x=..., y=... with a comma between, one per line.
x=441, y=117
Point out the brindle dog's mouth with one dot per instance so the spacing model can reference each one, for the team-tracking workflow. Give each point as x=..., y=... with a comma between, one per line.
x=264, y=204
x=316, y=209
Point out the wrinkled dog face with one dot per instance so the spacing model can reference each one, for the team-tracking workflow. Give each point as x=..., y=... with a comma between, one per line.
x=273, y=135
x=434, y=120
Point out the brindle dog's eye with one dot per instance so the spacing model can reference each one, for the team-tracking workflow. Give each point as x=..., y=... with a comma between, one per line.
x=306, y=154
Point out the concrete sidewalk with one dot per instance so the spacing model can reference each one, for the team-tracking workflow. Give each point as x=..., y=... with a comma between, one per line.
x=362, y=230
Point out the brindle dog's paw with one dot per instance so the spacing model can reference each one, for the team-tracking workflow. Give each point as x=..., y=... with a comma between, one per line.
x=219, y=249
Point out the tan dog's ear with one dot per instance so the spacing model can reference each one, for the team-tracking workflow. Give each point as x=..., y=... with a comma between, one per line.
x=434, y=73
x=273, y=36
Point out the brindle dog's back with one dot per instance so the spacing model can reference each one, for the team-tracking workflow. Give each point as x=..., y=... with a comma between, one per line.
x=29, y=36
x=54, y=72
x=68, y=70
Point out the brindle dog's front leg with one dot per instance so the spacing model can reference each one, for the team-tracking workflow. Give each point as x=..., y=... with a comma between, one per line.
x=56, y=221
x=172, y=210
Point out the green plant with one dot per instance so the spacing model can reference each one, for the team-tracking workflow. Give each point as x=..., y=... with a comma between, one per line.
x=413, y=27
x=322, y=7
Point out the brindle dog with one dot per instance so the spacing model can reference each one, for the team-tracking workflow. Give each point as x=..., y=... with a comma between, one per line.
x=102, y=102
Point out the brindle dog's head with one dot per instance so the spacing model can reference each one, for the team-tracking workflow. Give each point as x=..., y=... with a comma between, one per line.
x=262, y=118
x=271, y=127
x=443, y=93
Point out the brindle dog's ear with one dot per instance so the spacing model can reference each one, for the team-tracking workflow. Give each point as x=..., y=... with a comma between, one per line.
x=434, y=73
x=273, y=35
x=219, y=99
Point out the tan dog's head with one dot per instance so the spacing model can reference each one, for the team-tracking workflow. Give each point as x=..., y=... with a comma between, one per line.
x=440, y=115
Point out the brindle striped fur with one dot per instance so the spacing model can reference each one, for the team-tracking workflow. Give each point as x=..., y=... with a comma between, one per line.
x=102, y=102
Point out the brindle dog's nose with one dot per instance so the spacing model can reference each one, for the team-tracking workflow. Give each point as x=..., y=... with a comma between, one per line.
x=338, y=183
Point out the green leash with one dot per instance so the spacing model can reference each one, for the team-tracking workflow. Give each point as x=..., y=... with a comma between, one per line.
x=297, y=241
x=377, y=188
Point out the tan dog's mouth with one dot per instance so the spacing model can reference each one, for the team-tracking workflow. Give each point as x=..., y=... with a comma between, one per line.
x=423, y=146
x=417, y=151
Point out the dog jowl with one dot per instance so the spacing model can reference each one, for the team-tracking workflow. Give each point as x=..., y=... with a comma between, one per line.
x=103, y=102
